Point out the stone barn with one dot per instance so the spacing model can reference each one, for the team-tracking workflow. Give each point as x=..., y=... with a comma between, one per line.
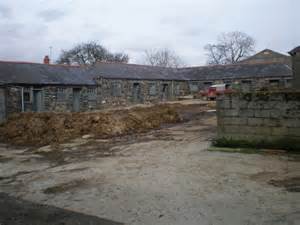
x=62, y=88
x=247, y=76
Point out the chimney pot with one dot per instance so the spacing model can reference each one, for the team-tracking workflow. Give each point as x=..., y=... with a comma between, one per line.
x=46, y=60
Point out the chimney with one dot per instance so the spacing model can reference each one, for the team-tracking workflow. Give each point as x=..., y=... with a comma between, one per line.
x=295, y=53
x=46, y=60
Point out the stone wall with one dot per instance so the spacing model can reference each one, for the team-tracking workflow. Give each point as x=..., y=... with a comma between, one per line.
x=272, y=118
x=124, y=92
x=53, y=98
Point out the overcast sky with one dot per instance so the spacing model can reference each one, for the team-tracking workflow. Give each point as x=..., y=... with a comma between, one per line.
x=28, y=28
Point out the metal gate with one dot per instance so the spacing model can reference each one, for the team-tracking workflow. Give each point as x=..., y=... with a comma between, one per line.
x=2, y=105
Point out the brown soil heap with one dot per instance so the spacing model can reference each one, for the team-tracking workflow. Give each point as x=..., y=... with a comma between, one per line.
x=48, y=127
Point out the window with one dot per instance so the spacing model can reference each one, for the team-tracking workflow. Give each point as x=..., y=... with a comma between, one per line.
x=194, y=87
x=177, y=89
x=116, y=89
x=91, y=90
x=208, y=83
x=26, y=96
x=246, y=82
x=152, y=89
x=274, y=81
x=288, y=83
x=60, y=92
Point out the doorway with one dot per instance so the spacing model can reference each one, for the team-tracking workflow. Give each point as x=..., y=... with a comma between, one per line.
x=76, y=99
x=37, y=101
x=137, y=98
x=165, y=92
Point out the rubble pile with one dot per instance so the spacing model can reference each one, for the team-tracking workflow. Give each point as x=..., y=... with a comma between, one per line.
x=47, y=128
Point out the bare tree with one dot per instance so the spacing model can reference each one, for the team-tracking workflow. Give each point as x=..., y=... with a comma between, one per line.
x=90, y=53
x=231, y=48
x=162, y=57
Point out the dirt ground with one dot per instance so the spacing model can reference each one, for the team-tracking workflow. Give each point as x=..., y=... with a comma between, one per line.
x=164, y=176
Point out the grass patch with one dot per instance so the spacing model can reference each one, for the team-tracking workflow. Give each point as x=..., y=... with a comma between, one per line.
x=234, y=150
x=288, y=144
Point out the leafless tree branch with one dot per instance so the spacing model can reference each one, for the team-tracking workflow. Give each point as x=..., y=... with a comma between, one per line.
x=230, y=48
x=162, y=57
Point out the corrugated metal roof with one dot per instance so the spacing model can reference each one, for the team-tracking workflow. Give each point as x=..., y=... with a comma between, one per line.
x=33, y=73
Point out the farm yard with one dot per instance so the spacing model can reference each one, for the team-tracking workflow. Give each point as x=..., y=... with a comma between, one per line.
x=156, y=168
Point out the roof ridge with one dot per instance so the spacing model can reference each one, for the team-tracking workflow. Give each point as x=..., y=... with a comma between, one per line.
x=35, y=63
x=134, y=64
x=232, y=65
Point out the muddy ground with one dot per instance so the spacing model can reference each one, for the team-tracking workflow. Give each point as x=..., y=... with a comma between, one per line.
x=164, y=176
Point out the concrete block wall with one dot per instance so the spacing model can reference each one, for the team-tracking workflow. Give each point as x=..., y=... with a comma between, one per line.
x=2, y=105
x=259, y=116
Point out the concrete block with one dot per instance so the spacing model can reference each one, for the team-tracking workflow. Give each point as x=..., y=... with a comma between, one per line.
x=293, y=123
x=246, y=113
x=231, y=112
x=227, y=104
x=271, y=105
x=232, y=129
x=261, y=130
x=264, y=113
x=289, y=113
x=255, y=121
x=294, y=132
x=276, y=113
x=235, y=121
x=279, y=131
x=271, y=122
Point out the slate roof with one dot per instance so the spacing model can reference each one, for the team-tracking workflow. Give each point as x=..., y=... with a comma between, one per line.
x=295, y=50
x=35, y=73
x=137, y=72
x=237, y=71
x=265, y=54
x=43, y=74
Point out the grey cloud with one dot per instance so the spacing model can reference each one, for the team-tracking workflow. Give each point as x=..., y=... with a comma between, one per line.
x=134, y=25
x=5, y=12
x=51, y=15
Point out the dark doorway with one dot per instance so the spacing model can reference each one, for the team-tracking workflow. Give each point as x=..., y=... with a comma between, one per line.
x=136, y=95
x=165, y=92
x=37, y=101
x=76, y=99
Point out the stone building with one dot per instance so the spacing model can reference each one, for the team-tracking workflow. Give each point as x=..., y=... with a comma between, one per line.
x=295, y=53
x=268, y=56
x=248, y=76
x=47, y=87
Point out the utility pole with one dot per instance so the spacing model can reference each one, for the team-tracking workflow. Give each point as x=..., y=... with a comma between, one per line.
x=50, y=52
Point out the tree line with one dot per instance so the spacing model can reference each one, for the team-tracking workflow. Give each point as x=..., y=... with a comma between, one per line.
x=229, y=48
